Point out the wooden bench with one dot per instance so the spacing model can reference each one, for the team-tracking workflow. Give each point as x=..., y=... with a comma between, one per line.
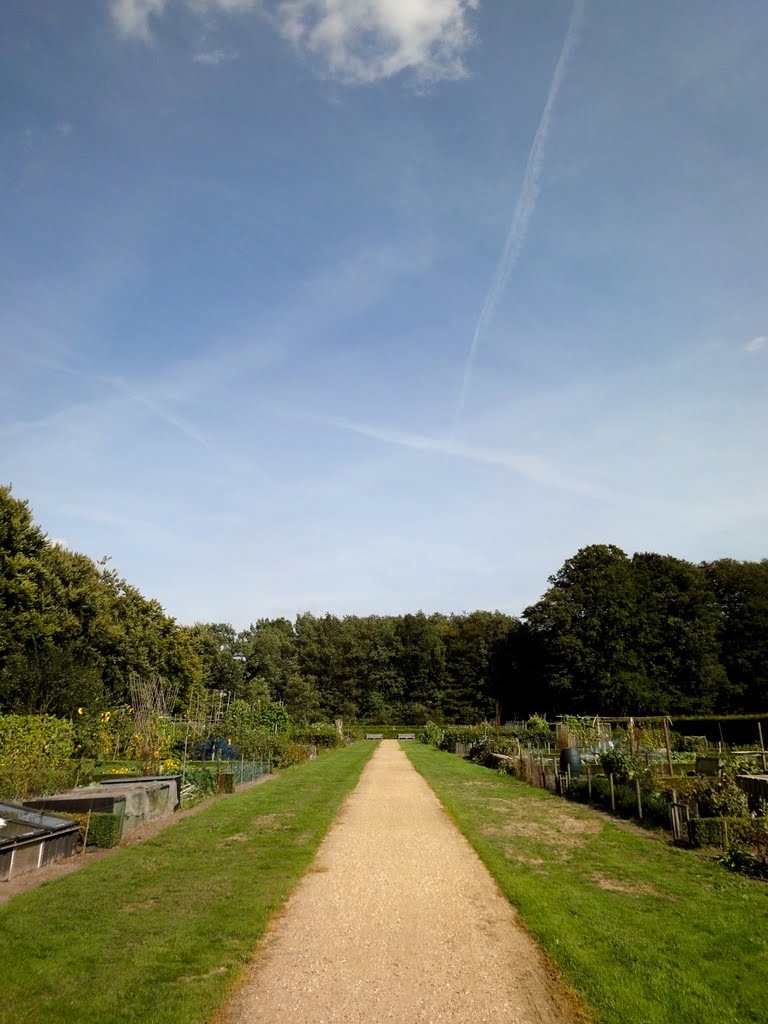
x=374, y=735
x=406, y=735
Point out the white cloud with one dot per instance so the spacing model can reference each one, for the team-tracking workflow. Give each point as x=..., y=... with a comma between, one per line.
x=64, y=128
x=356, y=41
x=228, y=6
x=215, y=56
x=132, y=16
x=362, y=41
x=756, y=344
x=529, y=465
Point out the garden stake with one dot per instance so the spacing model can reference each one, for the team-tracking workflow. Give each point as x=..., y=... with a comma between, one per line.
x=762, y=746
x=589, y=782
x=639, y=800
x=668, y=746
x=613, y=794
x=87, y=826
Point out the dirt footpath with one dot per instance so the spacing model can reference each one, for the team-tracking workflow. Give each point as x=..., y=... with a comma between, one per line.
x=398, y=920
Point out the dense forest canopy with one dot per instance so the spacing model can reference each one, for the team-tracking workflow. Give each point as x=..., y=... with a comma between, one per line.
x=613, y=634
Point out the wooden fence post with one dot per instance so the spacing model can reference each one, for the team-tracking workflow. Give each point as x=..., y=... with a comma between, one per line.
x=589, y=783
x=762, y=746
x=668, y=745
x=613, y=793
x=639, y=800
x=87, y=828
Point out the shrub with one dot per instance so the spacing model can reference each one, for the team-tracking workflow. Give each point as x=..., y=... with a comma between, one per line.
x=621, y=764
x=246, y=725
x=710, y=831
x=431, y=734
x=465, y=734
x=35, y=756
x=493, y=743
x=747, y=859
x=718, y=797
x=103, y=830
x=204, y=781
x=319, y=734
x=284, y=752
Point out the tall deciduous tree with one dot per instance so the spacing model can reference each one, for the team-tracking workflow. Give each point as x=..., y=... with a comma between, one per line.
x=741, y=592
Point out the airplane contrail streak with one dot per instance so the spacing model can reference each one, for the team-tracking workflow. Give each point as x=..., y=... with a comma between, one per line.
x=524, y=208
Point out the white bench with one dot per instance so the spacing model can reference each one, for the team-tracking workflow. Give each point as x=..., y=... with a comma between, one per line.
x=374, y=735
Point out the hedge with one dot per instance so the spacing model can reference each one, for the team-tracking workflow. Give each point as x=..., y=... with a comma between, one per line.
x=721, y=831
x=104, y=830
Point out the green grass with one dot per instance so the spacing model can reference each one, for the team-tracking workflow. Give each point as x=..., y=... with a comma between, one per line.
x=643, y=931
x=158, y=933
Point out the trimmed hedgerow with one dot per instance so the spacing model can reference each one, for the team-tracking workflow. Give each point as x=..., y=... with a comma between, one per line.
x=103, y=831
x=711, y=831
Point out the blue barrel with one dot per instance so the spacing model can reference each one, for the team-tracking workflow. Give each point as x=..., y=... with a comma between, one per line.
x=570, y=758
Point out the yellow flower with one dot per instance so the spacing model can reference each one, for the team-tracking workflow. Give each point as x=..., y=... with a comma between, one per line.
x=81, y=711
x=105, y=717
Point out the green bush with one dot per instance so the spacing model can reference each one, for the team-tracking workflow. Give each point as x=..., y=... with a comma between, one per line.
x=204, y=781
x=621, y=764
x=709, y=831
x=747, y=859
x=431, y=733
x=718, y=797
x=466, y=734
x=655, y=804
x=319, y=734
x=493, y=742
x=36, y=756
x=249, y=727
x=103, y=830
x=284, y=752
x=537, y=732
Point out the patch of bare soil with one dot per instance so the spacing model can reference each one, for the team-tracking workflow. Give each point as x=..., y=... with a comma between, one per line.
x=632, y=888
x=22, y=883
x=398, y=920
x=560, y=830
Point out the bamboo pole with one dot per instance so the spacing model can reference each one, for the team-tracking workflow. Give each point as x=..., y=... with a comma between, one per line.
x=668, y=744
x=762, y=746
x=87, y=828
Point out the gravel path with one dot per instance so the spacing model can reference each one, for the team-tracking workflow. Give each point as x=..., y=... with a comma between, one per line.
x=398, y=920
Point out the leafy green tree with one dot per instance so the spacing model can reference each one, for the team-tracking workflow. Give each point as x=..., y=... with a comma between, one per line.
x=741, y=592
x=474, y=674
x=302, y=699
x=676, y=639
x=584, y=629
x=217, y=646
x=51, y=618
x=269, y=648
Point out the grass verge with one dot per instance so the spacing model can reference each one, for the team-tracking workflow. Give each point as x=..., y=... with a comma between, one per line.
x=641, y=930
x=158, y=933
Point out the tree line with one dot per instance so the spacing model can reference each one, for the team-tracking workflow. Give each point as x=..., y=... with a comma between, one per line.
x=613, y=634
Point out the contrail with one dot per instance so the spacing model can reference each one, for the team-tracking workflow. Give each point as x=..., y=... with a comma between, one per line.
x=524, y=209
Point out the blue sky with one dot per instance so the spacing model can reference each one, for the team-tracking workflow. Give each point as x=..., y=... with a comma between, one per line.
x=366, y=306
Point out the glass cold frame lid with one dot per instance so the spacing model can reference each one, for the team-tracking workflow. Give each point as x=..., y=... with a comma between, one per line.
x=25, y=822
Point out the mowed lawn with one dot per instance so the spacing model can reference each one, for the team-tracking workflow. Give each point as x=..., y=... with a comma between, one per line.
x=158, y=933
x=643, y=931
